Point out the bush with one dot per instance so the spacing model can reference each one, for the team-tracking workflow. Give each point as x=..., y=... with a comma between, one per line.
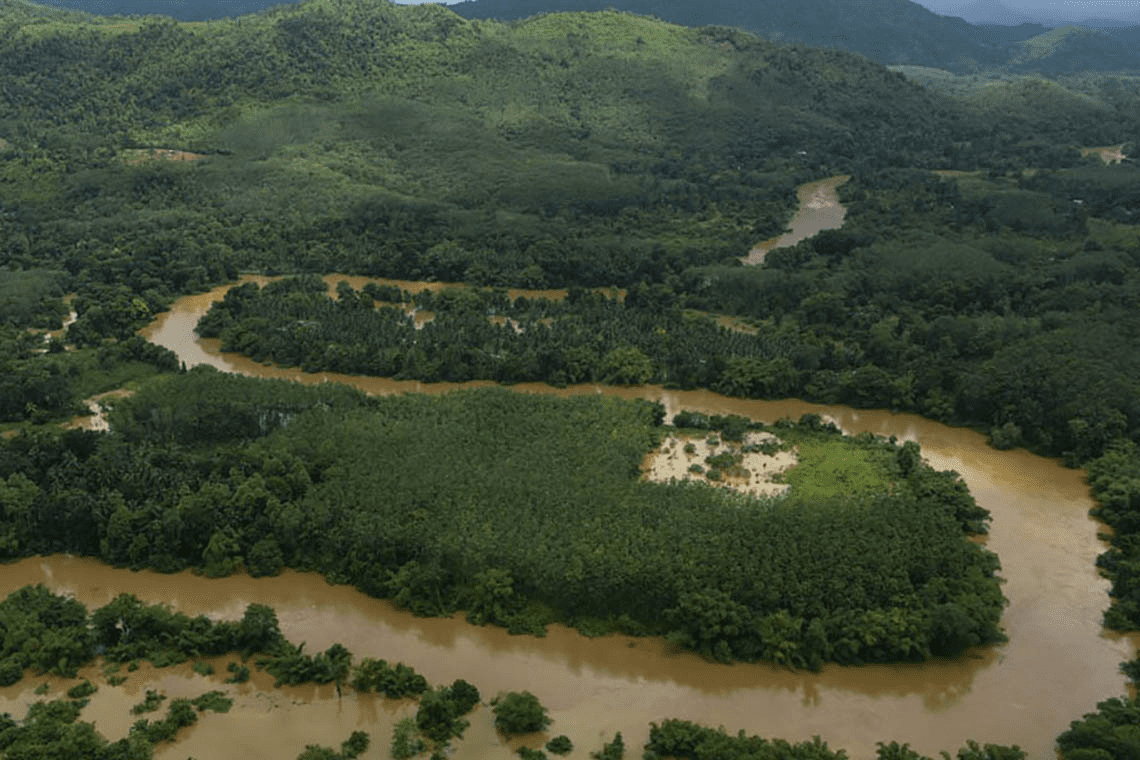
x=406, y=741
x=395, y=682
x=355, y=745
x=240, y=673
x=615, y=750
x=81, y=690
x=519, y=713
x=560, y=745
x=215, y=701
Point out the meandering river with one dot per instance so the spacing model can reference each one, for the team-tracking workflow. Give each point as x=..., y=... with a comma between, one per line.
x=1058, y=663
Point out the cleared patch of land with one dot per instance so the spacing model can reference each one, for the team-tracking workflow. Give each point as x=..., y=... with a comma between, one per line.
x=747, y=466
x=97, y=420
x=138, y=155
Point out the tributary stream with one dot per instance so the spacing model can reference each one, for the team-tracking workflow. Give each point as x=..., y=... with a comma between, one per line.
x=1057, y=665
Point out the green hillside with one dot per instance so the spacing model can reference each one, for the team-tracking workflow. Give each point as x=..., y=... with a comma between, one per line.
x=406, y=141
x=1070, y=49
x=888, y=31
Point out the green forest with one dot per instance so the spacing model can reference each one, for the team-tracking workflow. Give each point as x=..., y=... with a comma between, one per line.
x=985, y=275
x=520, y=510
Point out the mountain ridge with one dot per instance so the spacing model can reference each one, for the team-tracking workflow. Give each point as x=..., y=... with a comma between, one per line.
x=892, y=32
x=895, y=32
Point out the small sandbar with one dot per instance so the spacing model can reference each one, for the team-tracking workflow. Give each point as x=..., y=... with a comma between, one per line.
x=694, y=458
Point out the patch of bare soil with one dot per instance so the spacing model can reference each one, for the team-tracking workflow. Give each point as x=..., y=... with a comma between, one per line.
x=97, y=420
x=136, y=156
x=688, y=458
x=1112, y=154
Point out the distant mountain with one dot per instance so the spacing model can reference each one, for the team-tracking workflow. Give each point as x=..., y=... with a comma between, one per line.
x=887, y=31
x=996, y=12
x=1073, y=48
x=896, y=32
x=1001, y=34
x=988, y=12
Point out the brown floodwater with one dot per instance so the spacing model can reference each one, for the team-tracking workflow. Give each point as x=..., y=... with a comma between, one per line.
x=1058, y=663
x=819, y=210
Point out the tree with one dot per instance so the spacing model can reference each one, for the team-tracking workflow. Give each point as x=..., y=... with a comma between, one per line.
x=519, y=713
x=406, y=741
x=265, y=557
x=614, y=750
x=438, y=716
x=463, y=695
x=626, y=366
x=560, y=745
x=493, y=599
x=258, y=630
x=221, y=557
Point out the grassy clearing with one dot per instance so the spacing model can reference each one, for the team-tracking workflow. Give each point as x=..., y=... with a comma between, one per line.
x=831, y=466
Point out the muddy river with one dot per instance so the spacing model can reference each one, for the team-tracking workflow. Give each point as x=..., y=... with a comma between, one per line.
x=819, y=210
x=1058, y=663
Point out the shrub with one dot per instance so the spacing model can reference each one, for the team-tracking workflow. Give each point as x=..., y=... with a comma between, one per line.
x=81, y=690
x=519, y=713
x=560, y=745
x=150, y=703
x=615, y=750
x=406, y=741
x=240, y=673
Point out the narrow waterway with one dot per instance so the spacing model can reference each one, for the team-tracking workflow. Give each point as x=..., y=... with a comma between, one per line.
x=819, y=210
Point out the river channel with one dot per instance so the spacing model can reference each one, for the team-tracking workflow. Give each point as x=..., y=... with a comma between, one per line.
x=819, y=209
x=1057, y=665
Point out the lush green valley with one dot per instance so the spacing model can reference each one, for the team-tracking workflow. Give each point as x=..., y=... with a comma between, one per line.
x=576, y=151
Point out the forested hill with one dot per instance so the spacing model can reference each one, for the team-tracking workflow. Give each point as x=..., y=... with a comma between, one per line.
x=897, y=32
x=406, y=141
x=887, y=31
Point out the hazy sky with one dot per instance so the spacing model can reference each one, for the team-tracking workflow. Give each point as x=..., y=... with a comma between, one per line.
x=1060, y=7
